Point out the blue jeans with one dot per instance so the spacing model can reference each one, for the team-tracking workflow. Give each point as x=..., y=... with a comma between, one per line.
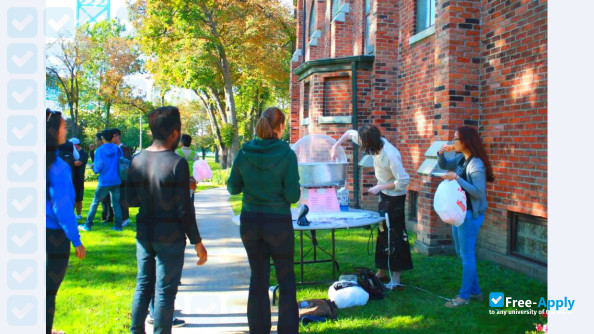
x=159, y=271
x=465, y=243
x=100, y=194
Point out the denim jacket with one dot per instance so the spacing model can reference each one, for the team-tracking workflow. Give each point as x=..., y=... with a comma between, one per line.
x=476, y=186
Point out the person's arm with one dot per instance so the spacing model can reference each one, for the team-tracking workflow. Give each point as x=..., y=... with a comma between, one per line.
x=401, y=177
x=446, y=163
x=184, y=207
x=292, y=189
x=479, y=181
x=98, y=163
x=62, y=194
x=353, y=135
x=133, y=185
x=235, y=181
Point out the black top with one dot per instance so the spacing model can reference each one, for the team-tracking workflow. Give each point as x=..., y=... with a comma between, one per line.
x=79, y=171
x=158, y=183
x=461, y=171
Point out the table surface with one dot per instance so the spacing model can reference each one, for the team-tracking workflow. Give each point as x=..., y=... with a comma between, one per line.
x=335, y=224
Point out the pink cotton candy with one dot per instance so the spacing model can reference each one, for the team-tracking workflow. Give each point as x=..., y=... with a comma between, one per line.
x=202, y=171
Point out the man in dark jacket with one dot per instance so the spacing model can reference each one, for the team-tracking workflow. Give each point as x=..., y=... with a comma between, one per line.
x=127, y=153
x=78, y=177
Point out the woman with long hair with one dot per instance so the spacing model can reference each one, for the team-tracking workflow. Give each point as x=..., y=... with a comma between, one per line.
x=472, y=170
x=60, y=221
x=393, y=257
x=265, y=170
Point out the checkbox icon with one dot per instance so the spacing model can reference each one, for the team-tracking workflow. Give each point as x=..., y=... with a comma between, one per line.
x=22, y=311
x=22, y=94
x=496, y=299
x=21, y=238
x=21, y=130
x=22, y=166
x=22, y=274
x=22, y=58
x=22, y=22
x=22, y=203
x=59, y=22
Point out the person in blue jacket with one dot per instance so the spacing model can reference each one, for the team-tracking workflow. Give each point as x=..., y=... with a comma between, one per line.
x=60, y=221
x=472, y=170
x=106, y=164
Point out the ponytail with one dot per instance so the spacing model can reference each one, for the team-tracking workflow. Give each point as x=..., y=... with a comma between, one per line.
x=272, y=119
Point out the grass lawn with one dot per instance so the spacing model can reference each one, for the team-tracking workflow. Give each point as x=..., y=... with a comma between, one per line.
x=96, y=294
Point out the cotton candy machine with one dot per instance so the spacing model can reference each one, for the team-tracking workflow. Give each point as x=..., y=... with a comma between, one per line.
x=319, y=173
x=316, y=168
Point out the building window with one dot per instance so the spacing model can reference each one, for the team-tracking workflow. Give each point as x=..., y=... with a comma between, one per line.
x=528, y=237
x=312, y=20
x=336, y=6
x=413, y=198
x=425, y=14
x=368, y=47
x=306, y=100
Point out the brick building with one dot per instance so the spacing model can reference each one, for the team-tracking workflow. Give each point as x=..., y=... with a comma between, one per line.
x=418, y=69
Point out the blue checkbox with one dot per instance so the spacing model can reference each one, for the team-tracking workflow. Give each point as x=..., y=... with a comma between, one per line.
x=496, y=299
x=22, y=22
x=21, y=311
x=21, y=130
x=59, y=22
x=22, y=58
x=22, y=203
x=22, y=94
x=22, y=166
x=21, y=238
x=22, y=274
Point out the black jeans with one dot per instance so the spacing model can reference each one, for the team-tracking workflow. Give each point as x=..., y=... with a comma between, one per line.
x=124, y=202
x=57, y=252
x=264, y=236
x=398, y=252
x=159, y=271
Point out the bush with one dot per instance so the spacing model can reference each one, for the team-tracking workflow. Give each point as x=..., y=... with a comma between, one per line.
x=90, y=176
x=220, y=176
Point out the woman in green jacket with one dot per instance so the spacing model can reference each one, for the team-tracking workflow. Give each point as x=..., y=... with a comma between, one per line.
x=265, y=170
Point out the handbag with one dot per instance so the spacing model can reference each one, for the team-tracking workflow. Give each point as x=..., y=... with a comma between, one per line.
x=370, y=283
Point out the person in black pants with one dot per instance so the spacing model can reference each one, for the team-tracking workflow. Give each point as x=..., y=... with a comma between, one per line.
x=60, y=222
x=265, y=170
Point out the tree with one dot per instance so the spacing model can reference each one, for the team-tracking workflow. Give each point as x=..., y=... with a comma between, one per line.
x=211, y=47
x=204, y=143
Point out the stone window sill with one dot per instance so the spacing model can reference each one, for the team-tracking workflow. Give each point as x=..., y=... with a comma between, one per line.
x=422, y=35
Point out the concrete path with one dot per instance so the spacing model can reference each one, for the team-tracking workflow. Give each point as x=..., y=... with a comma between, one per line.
x=213, y=297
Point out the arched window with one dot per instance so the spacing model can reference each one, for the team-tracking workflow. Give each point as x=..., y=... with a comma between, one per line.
x=312, y=19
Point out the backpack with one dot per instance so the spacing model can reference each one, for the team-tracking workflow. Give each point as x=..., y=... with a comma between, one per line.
x=123, y=165
x=370, y=283
x=316, y=310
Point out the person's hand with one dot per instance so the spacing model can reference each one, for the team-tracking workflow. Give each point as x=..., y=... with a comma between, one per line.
x=375, y=190
x=78, y=163
x=333, y=152
x=446, y=148
x=201, y=253
x=80, y=251
x=450, y=176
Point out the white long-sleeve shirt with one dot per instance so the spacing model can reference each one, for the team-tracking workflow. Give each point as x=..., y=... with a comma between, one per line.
x=388, y=167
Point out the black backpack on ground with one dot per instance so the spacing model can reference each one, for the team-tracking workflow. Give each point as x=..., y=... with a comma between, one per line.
x=370, y=283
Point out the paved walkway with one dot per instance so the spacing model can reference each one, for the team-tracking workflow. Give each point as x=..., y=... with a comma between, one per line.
x=213, y=297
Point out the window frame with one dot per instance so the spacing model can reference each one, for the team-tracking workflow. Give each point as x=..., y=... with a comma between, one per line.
x=428, y=15
x=514, y=218
x=367, y=12
x=312, y=13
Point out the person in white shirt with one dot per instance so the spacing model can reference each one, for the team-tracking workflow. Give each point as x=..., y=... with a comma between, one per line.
x=391, y=187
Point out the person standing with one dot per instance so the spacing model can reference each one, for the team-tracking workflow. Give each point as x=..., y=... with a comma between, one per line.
x=158, y=182
x=392, y=183
x=127, y=153
x=80, y=166
x=186, y=152
x=60, y=221
x=106, y=209
x=472, y=170
x=265, y=170
x=106, y=164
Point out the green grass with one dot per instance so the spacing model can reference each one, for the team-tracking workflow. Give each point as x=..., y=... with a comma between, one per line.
x=96, y=294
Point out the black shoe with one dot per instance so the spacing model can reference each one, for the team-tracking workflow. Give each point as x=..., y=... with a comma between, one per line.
x=178, y=323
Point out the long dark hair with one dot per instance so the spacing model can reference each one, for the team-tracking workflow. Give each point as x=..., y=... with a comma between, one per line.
x=371, y=139
x=272, y=118
x=471, y=140
x=52, y=129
